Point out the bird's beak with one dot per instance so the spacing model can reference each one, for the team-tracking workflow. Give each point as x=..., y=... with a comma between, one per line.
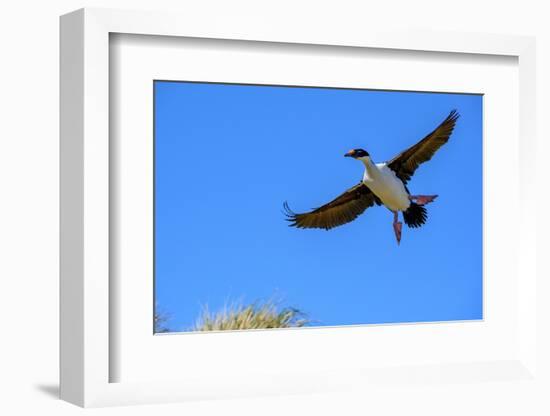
x=349, y=154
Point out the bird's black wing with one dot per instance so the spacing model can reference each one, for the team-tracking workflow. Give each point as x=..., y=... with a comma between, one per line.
x=341, y=210
x=405, y=164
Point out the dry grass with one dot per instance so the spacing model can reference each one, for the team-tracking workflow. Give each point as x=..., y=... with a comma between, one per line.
x=161, y=322
x=259, y=315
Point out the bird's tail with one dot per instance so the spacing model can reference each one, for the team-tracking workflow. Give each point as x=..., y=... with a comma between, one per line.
x=415, y=215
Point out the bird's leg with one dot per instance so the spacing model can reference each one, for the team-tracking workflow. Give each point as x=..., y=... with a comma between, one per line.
x=397, y=227
x=422, y=199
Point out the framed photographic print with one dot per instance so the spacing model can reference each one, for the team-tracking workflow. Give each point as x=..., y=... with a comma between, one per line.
x=331, y=201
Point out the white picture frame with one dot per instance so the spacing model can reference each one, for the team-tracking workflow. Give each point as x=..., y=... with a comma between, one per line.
x=87, y=165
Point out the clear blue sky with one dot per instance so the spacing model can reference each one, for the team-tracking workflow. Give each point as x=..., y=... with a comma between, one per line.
x=226, y=158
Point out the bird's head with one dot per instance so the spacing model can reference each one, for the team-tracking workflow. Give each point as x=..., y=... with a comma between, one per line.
x=357, y=154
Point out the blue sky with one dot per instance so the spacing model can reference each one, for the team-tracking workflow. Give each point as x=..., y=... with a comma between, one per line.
x=228, y=156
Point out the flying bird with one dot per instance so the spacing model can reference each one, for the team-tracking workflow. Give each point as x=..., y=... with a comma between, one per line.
x=382, y=184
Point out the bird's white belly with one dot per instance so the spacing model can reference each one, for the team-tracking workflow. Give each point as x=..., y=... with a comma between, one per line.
x=388, y=187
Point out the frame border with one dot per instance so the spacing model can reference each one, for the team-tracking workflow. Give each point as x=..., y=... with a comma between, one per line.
x=84, y=175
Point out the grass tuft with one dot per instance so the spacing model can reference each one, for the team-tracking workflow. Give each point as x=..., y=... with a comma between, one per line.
x=160, y=322
x=259, y=315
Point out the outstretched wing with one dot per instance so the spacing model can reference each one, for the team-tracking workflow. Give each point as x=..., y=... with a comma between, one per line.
x=405, y=164
x=341, y=210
